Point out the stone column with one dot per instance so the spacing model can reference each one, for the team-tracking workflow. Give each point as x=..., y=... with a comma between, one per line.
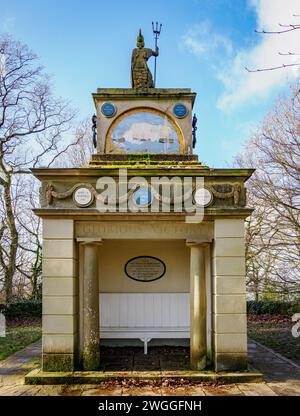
x=90, y=310
x=197, y=307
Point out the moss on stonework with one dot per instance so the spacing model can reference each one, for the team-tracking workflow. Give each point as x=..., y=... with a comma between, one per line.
x=231, y=362
x=134, y=163
x=149, y=170
x=58, y=362
x=141, y=166
x=146, y=157
x=91, y=361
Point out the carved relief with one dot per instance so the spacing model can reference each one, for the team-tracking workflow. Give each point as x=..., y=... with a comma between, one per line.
x=50, y=194
x=221, y=191
x=236, y=192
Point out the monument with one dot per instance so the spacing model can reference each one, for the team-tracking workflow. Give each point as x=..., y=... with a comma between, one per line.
x=145, y=242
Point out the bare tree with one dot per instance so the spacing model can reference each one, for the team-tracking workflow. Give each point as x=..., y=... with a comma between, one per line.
x=284, y=28
x=80, y=153
x=33, y=124
x=273, y=234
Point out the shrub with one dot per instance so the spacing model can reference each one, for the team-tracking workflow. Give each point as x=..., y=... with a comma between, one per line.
x=271, y=307
x=22, y=309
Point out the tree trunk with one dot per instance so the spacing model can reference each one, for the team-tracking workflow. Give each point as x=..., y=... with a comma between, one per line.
x=13, y=246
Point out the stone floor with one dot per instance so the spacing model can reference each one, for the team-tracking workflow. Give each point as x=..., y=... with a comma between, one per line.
x=282, y=377
x=134, y=359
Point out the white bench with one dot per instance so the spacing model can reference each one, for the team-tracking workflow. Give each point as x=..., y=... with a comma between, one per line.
x=144, y=316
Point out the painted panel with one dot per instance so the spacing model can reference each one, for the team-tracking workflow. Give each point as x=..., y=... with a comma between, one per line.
x=143, y=131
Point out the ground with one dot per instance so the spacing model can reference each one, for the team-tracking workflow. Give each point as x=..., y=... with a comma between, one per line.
x=282, y=376
x=19, y=333
x=275, y=331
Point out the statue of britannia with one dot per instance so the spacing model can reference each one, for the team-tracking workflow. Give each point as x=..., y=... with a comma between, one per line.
x=141, y=77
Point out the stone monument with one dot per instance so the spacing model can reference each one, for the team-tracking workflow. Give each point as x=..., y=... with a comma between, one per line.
x=131, y=264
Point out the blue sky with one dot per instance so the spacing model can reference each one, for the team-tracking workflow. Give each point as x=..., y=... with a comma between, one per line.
x=204, y=45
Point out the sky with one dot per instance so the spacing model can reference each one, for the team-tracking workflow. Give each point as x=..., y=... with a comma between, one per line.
x=204, y=45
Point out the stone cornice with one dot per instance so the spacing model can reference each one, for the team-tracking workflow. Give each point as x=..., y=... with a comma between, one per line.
x=91, y=172
x=94, y=214
x=152, y=93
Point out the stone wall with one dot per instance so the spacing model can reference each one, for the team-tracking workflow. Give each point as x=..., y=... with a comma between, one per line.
x=229, y=295
x=60, y=296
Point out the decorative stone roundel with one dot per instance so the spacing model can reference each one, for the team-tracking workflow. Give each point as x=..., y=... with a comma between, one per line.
x=203, y=197
x=108, y=109
x=83, y=197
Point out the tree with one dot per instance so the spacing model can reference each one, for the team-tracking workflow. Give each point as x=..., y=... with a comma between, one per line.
x=273, y=233
x=33, y=123
x=80, y=153
x=285, y=28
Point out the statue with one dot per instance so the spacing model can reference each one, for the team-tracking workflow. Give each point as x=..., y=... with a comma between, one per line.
x=194, y=127
x=94, y=130
x=141, y=77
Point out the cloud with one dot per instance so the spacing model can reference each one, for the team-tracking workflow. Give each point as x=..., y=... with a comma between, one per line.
x=241, y=86
x=202, y=41
x=7, y=23
x=138, y=131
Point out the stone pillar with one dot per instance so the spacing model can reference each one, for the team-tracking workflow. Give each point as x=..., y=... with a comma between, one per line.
x=90, y=308
x=229, y=296
x=197, y=307
x=60, y=289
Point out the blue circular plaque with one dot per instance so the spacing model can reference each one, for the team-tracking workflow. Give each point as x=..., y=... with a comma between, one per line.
x=180, y=110
x=108, y=109
x=142, y=197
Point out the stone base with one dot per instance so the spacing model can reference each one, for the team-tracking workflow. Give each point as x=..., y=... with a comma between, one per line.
x=58, y=362
x=37, y=376
x=231, y=362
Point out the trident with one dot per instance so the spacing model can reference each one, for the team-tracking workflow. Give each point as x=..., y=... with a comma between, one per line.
x=156, y=32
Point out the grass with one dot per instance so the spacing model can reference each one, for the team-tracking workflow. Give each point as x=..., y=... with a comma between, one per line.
x=274, y=332
x=19, y=334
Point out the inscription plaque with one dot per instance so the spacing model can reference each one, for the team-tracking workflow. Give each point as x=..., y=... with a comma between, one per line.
x=108, y=109
x=83, y=197
x=180, y=110
x=203, y=197
x=145, y=268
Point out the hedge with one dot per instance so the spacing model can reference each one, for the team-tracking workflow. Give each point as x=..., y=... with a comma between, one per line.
x=27, y=308
x=22, y=309
x=272, y=307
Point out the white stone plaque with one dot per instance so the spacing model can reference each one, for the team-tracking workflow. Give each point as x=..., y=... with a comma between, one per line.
x=203, y=197
x=145, y=268
x=83, y=197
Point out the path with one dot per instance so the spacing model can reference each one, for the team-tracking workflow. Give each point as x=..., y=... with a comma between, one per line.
x=282, y=377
